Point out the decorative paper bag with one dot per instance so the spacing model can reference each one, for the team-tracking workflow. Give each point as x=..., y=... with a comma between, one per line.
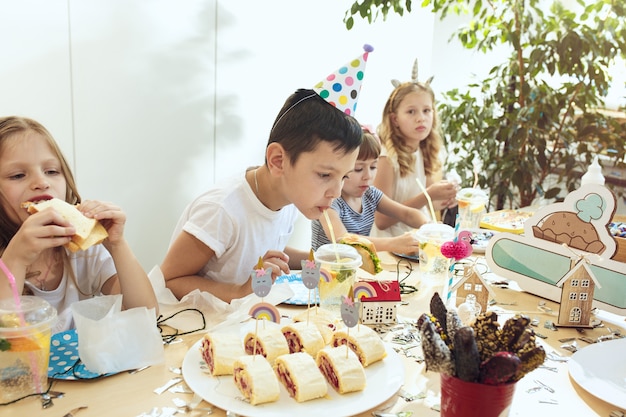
x=111, y=340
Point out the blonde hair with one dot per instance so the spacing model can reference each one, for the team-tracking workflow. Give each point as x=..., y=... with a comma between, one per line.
x=395, y=144
x=15, y=128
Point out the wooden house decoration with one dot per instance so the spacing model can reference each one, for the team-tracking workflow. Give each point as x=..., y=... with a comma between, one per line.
x=472, y=282
x=379, y=306
x=577, y=287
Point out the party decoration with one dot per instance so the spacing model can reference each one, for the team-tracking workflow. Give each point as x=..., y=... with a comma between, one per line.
x=349, y=311
x=341, y=88
x=261, y=279
x=460, y=247
x=363, y=289
x=380, y=306
x=554, y=238
x=326, y=275
x=310, y=272
x=265, y=311
x=577, y=288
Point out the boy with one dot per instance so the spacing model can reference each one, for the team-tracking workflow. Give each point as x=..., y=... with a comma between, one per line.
x=221, y=235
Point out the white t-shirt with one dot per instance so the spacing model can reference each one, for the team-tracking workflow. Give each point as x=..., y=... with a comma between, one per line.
x=92, y=268
x=232, y=221
x=404, y=189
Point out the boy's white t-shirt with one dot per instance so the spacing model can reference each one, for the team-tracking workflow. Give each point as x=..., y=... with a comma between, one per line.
x=231, y=220
x=92, y=268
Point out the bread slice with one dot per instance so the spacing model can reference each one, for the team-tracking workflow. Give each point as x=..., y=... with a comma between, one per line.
x=367, y=250
x=89, y=231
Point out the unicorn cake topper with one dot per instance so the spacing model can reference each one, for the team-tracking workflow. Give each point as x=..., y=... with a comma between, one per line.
x=414, y=77
x=261, y=279
x=310, y=272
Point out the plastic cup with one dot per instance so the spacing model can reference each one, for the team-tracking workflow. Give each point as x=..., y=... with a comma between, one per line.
x=431, y=236
x=468, y=399
x=24, y=350
x=472, y=207
x=339, y=264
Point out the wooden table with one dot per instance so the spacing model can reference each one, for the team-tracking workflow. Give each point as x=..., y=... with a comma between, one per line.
x=131, y=395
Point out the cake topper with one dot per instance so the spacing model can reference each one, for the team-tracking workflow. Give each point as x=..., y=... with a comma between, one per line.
x=261, y=279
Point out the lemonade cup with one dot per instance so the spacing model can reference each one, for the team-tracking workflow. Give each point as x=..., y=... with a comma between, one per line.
x=431, y=236
x=339, y=263
x=472, y=207
x=24, y=347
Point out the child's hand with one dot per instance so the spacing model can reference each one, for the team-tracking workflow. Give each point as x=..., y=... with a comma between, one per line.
x=40, y=231
x=110, y=216
x=405, y=243
x=443, y=194
x=278, y=261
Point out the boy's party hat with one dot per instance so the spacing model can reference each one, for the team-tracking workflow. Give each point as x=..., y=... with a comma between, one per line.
x=342, y=87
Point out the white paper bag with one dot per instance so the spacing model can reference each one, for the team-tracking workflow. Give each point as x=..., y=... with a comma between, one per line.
x=111, y=340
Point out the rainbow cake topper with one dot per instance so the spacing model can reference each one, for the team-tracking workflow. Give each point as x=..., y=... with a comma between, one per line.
x=310, y=272
x=364, y=289
x=265, y=311
x=325, y=275
x=261, y=279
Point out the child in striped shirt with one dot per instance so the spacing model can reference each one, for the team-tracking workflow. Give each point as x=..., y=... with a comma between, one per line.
x=353, y=212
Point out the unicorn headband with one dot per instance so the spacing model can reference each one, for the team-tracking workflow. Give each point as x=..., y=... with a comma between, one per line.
x=414, y=79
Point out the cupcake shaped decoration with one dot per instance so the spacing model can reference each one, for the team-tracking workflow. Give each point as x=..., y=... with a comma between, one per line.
x=574, y=228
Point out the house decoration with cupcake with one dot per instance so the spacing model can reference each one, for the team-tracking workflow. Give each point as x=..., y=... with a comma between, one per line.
x=556, y=239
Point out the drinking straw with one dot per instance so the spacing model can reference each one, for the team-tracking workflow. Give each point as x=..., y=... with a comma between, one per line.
x=332, y=233
x=430, y=202
x=22, y=319
x=457, y=223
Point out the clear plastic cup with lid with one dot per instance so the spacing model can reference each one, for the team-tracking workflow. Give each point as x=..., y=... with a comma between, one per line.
x=339, y=264
x=472, y=207
x=25, y=333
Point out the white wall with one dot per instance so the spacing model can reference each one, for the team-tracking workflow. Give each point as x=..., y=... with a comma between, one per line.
x=154, y=100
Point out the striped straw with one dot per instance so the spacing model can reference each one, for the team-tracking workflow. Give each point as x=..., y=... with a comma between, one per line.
x=457, y=223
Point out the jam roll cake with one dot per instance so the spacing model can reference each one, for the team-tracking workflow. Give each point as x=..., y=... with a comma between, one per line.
x=255, y=379
x=303, y=337
x=300, y=376
x=364, y=341
x=341, y=368
x=220, y=350
x=267, y=341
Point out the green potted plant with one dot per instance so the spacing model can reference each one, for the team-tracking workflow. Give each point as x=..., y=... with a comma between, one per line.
x=536, y=121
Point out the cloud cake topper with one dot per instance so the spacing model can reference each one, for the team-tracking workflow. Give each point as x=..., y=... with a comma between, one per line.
x=555, y=238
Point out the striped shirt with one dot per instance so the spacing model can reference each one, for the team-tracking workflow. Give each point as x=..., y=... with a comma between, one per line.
x=357, y=223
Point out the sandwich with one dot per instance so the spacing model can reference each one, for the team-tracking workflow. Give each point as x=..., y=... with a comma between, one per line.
x=300, y=376
x=367, y=250
x=89, y=232
x=255, y=379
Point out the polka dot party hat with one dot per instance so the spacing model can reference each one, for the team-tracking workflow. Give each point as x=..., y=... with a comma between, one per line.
x=341, y=88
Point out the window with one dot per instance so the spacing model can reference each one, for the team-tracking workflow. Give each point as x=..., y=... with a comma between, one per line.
x=574, y=283
x=573, y=296
x=478, y=287
x=583, y=296
x=574, y=315
x=585, y=283
x=467, y=286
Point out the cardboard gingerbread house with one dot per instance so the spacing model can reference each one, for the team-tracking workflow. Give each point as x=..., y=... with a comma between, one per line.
x=472, y=282
x=379, y=301
x=577, y=287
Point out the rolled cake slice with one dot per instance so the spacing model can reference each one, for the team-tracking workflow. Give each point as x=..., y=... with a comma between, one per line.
x=303, y=337
x=341, y=368
x=269, y=341
x=325, y=320
x=300, y=376
x=255, y=379
x=364, y=341
x=220, y=350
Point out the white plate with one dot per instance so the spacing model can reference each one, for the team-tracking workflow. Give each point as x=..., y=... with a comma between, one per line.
x=601, y=370
x=384, y=379
x=300, y=292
